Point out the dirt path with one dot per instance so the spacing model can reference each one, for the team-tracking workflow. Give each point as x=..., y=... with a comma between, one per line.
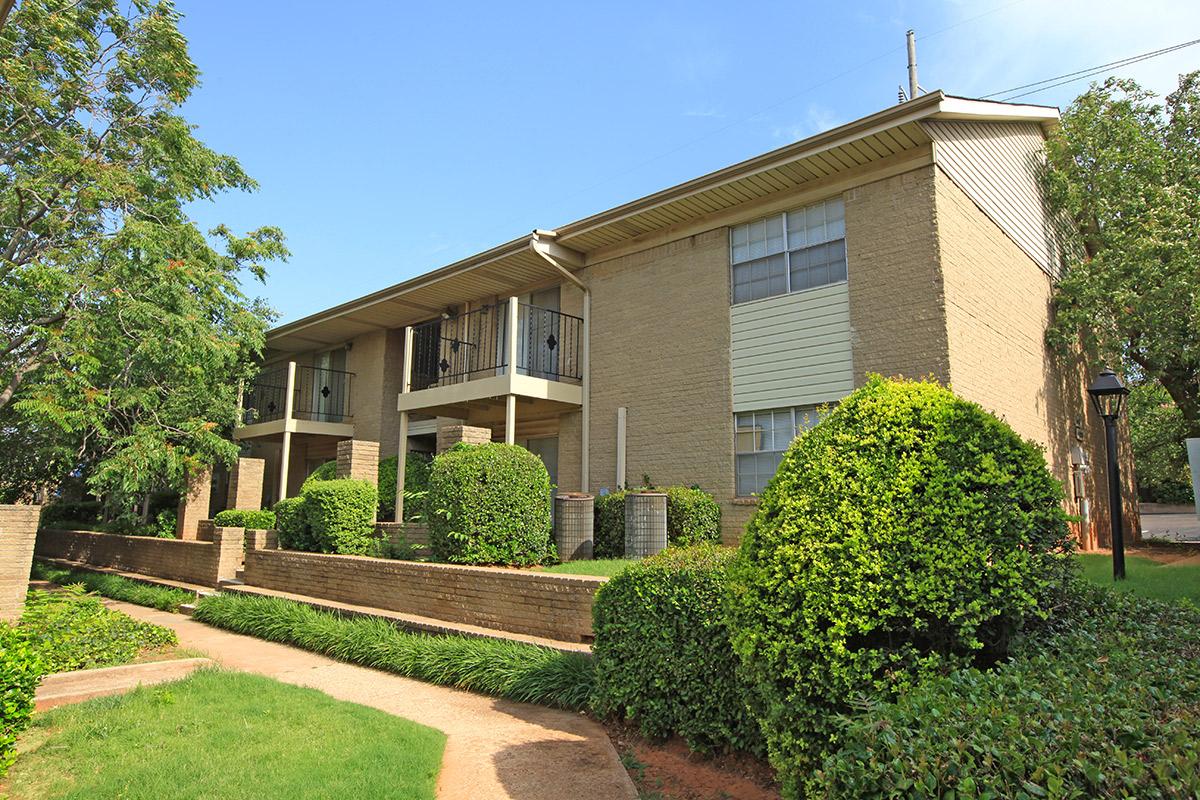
x=494, y=748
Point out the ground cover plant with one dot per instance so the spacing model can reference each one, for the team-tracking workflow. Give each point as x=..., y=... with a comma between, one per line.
x=20, y=672
x=489, y=504
x=69, y=630
x=115, y=587
x=1145, y=577
x=907, y=534
x=662, y=652
x=230, y=735
x=525, y=672
x=1101, y=702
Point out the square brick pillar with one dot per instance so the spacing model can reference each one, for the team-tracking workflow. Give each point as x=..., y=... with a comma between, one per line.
x=18, y=530
x=358, y=459
x=450, y=435
x=230, y=549
x=193, y=507
x=246, y=484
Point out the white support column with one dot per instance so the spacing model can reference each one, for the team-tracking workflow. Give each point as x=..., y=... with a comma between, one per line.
x=510, y=406
x=585, y=415
x=286, y=451
x=621, y=414
x=402, y=445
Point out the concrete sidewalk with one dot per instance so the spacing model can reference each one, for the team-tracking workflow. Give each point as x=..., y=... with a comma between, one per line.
x=494, y=748
x=1175, y=527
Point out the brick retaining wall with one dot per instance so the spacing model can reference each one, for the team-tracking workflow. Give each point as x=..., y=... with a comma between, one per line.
x=539, y=604
x=203, y=563
x=17, y=527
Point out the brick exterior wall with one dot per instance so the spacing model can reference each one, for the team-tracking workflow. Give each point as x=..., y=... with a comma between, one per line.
x=997, y=303
x=246, y=484
x=18, y=529
x=672, y=372
x=552, y=606
x=897, y=315
x=358, y=459
x=203, y=563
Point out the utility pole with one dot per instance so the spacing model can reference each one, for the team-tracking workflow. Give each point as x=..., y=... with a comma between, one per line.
x=912, y=66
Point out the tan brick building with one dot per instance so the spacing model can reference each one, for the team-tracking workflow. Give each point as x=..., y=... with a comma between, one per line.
x=687, y=336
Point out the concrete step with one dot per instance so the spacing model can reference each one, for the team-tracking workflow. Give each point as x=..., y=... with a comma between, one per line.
x=75, y=687
x=410, y=622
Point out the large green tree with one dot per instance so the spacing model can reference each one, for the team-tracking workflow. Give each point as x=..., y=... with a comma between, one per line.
x=124, y=330
x=1127, y=172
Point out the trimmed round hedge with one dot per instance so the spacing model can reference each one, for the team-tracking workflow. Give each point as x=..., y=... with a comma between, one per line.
x=662, y=651
x=489, y=504
x=336, y=516
x=693, y=516
x=910, y=532
x=245, y=518
x=416, y=482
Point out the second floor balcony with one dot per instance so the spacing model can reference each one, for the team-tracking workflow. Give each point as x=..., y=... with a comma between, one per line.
x=298, y=398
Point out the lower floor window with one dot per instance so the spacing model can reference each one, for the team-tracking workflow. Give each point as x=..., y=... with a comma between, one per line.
x=760, y=440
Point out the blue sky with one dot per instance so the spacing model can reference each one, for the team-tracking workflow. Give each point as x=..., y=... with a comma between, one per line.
x=390, y=138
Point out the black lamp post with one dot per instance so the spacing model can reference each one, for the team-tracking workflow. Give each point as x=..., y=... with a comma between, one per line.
x=1108, y=395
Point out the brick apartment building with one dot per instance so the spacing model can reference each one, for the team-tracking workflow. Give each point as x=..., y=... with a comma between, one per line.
x=689, y=335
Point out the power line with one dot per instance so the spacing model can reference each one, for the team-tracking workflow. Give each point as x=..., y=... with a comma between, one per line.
x=1078, y=75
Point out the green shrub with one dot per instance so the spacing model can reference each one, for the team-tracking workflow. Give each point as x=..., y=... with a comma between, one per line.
x=245, y=518
x=20, y=673
x=165, y=523
x=662, y=651
x=527, y=673
x=116, y=587
x=63, y=512
x=70, y=630
x=908, y=533
x=692, y=516
x=325, y=472
x=490, y=504
x=1103, y=705
x=340, y=515
x=608, y=525
x=416, y=486
x=292, y=524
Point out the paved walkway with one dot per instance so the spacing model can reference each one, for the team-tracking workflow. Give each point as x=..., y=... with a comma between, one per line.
x=495, y=749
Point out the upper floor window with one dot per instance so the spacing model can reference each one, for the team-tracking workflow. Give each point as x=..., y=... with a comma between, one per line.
x=789, y=252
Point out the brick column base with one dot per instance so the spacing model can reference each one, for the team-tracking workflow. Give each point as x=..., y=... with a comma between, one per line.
x=358, y=459
x=246, y=484
x=193, y=506
x=450, y=435
x=230, y=544
x=18, y=531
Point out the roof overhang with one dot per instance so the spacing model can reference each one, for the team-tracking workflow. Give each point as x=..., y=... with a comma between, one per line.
x=877, y=139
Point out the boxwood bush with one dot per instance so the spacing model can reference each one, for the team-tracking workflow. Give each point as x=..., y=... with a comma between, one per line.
x=909, y=533
x=489, y=504
x=692, y=516
x=340, y=515
x=1101, y=705
x=20, y=673
x=245, y=518
x=662, y=651
x=416, y=483
x=294, y=533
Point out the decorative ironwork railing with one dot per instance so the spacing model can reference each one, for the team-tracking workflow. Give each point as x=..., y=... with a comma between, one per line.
x=475, y=345
x=318, y=394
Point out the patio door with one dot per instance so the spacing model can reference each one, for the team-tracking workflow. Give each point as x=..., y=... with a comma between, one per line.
x=539, y=337
x=328, y=394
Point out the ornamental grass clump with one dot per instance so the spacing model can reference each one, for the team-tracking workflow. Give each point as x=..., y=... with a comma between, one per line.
x=909, y=533
x=489, y=504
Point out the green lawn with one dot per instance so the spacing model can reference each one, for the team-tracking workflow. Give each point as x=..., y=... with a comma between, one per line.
x=224, y=735
x=1146, y=577
x=601, y=567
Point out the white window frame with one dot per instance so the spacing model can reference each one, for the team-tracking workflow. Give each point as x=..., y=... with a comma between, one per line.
x=783, y=216
x=815, y=415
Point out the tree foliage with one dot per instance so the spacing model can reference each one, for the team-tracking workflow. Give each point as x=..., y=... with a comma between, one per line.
x=123, y=328
x=1127, y=172
x=1157, y=432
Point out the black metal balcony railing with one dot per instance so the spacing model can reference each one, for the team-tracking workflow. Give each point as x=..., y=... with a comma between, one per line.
x=475, y=345
x=322, y=395
x=318, y=394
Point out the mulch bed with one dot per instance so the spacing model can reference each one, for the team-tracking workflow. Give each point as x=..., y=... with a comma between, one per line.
x=670, y=771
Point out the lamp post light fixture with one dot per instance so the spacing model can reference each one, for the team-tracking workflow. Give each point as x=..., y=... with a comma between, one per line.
x=1108, y=396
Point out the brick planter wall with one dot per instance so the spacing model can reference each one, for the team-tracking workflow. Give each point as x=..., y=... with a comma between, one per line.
x=204, y=563
x=538, y=604
x=18, y=525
